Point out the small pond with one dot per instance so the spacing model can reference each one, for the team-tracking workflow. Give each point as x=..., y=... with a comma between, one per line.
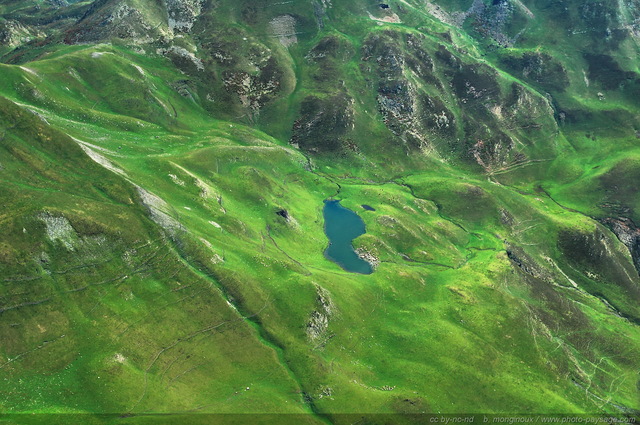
x=342, y=226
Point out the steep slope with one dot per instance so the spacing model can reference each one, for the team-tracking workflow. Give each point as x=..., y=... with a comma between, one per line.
x=105, y=311
x=165, y=179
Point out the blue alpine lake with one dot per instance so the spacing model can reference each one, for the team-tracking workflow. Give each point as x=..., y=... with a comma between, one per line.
x=342, y=226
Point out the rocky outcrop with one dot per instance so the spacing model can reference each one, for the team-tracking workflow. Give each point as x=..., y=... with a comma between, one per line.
x=493, y=20
x=13, y=34
x=324, y=124
x=182, y=14
x=409, y=112
x=254, y=90
x=59, y=230
x=284, y=29
x=319, y=319
x=605, y=268
x=181, y=57
x=628, y=233
x=539, y=68
x=108, y=19
x=433, y=99
x=369, y=257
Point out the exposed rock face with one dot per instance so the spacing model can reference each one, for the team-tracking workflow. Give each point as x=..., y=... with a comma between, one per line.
x=159, y=211
x=256, y=89
x=596, y=256
x=13, y=34
x=180, y=53
x=418, y=90
x=407, y=111
x=182, y=14
x=431, y=98
x=629, y=234
x=320, y=11
x=126, y=20
x=59, y=229
x=324, y=124
x=492, y=20
x=472, y=262
x=526, y=263
x=241, y=72
x=319, y=319
x=284, y=28
x=369, y=257
x=539, y=68
x=105, y=20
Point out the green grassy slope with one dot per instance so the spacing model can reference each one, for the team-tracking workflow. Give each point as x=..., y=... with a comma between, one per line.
x=104, y=311
x=146, y=252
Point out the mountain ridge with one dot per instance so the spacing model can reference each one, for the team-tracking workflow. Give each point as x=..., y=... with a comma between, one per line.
x=151, y=161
